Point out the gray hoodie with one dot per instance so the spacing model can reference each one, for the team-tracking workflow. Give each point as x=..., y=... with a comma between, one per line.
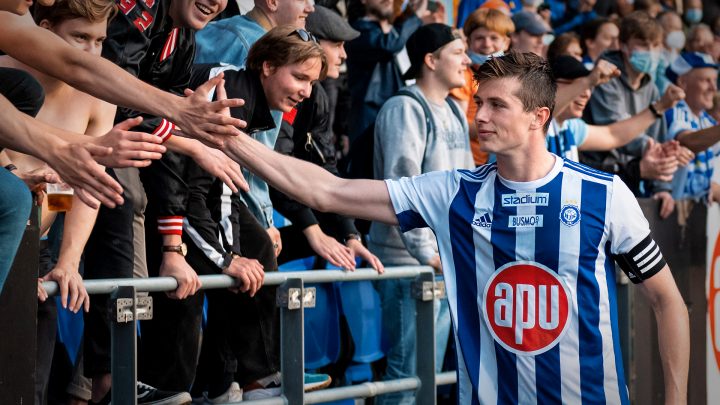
x=404, y=148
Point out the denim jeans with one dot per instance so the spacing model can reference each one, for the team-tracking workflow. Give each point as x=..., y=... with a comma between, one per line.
x=398, y=311
x=15, y=204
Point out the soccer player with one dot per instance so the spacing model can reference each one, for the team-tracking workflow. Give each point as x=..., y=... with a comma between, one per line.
x=527, y=247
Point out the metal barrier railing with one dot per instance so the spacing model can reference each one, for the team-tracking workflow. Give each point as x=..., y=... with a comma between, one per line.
x=292, y=298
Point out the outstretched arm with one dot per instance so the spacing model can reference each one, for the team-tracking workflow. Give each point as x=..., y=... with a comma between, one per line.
x=313, y=185
x=46, y=52
x=698, y=141
x=673, y=333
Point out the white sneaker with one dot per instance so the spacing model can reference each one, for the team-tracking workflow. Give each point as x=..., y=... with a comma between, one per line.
x=234, y=394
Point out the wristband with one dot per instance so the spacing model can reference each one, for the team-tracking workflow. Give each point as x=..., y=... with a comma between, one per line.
x=654, y=110
x=349, y=237
x=11, y=167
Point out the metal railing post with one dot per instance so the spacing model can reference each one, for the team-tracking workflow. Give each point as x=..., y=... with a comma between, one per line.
x=127, y=309
x=292, y=298
x=424, y=294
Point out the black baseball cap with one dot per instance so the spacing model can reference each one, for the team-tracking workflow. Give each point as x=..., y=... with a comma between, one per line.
x=427, y=39
x=327, y=24
x=568, y=68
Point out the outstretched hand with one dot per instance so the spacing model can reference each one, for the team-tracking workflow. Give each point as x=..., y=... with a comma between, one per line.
x=207, y=121
x=76, y=164
x=130, y=149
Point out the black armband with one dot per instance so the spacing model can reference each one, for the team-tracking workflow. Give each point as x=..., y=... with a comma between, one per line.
x=641, y=262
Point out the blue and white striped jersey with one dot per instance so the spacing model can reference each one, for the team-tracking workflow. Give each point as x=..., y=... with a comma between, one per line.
x=564, y=140
x=693, y=180
x=530, y=277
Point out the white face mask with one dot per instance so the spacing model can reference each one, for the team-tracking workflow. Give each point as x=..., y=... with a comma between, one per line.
x=675, y=40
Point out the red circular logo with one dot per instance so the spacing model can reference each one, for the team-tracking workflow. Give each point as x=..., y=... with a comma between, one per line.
x=526, y=307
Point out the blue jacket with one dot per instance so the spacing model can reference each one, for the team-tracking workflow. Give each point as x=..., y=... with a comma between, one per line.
x=373, y=74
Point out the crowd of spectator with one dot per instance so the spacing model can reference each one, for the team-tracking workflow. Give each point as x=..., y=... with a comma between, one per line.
x=131, y=103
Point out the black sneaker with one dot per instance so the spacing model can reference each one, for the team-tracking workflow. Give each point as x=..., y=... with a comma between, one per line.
x=147, y=395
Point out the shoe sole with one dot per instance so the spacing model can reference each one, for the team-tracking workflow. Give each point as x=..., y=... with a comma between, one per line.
x=318, y=385
x=182, y=398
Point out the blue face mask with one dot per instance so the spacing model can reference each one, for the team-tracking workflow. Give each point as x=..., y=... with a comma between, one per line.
x=644, y=61
x=479, y=59
x=693, y=15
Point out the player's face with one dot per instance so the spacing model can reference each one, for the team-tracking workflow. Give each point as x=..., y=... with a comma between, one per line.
x=335, y=55
x=195, y=14
x=81, y=33
x=287, y=85
x=700, y=86
x=575, y=109
x=451, y=64
x=293, y=12
x=502, y=123
x=486, y=42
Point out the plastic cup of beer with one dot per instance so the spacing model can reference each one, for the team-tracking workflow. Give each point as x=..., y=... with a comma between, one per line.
x=60, y=196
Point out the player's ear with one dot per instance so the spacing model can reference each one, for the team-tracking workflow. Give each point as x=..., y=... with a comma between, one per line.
x=542, y=115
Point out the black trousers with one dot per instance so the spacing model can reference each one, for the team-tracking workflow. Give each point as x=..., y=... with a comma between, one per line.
x=108, y=254
x=242, y=333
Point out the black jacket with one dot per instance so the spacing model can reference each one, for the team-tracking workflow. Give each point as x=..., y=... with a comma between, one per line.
x=212, y=210
x=142, y=41
x=305, y=134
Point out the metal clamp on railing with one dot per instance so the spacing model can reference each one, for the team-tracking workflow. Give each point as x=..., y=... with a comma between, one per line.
x=428, y=290
x=290, y=297
x=131, y=309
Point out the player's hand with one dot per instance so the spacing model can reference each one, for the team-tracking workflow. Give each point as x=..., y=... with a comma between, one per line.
x=358, y=250
x=328, y=248
x=207, y=121
x=250, y=273
x=129, y=149
x=657, y=163
x=275, y=239
x=218, y=164
x=76, y=164
x=174, y=265
x=667, y=203
x=603, y=72
x=73, y=294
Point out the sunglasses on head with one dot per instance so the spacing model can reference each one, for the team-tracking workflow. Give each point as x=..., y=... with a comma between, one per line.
x=304, y=35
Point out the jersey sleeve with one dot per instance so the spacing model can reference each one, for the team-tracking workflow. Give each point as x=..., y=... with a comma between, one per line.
x=421, y=201
x=631, y=242
x=579, y=129
x=676, y=123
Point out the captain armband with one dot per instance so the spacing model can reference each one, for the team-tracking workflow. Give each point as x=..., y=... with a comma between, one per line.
x=642, y=261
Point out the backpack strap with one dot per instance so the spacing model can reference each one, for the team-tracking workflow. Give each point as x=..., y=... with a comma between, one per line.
x=454, y=107
x=429, y=124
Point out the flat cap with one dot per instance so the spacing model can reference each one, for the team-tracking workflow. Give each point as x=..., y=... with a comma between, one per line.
x=327, y=24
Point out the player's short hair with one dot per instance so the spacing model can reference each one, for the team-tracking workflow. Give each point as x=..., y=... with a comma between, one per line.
x=537, y=84
x=62, y=10
x=490, y=19
x=641, y=26
x=285, y=45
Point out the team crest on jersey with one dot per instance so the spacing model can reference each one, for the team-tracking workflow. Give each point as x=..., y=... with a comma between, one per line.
x=570, y=215
x=526, y=307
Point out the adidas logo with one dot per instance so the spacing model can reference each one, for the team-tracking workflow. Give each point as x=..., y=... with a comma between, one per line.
x=484, y=221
